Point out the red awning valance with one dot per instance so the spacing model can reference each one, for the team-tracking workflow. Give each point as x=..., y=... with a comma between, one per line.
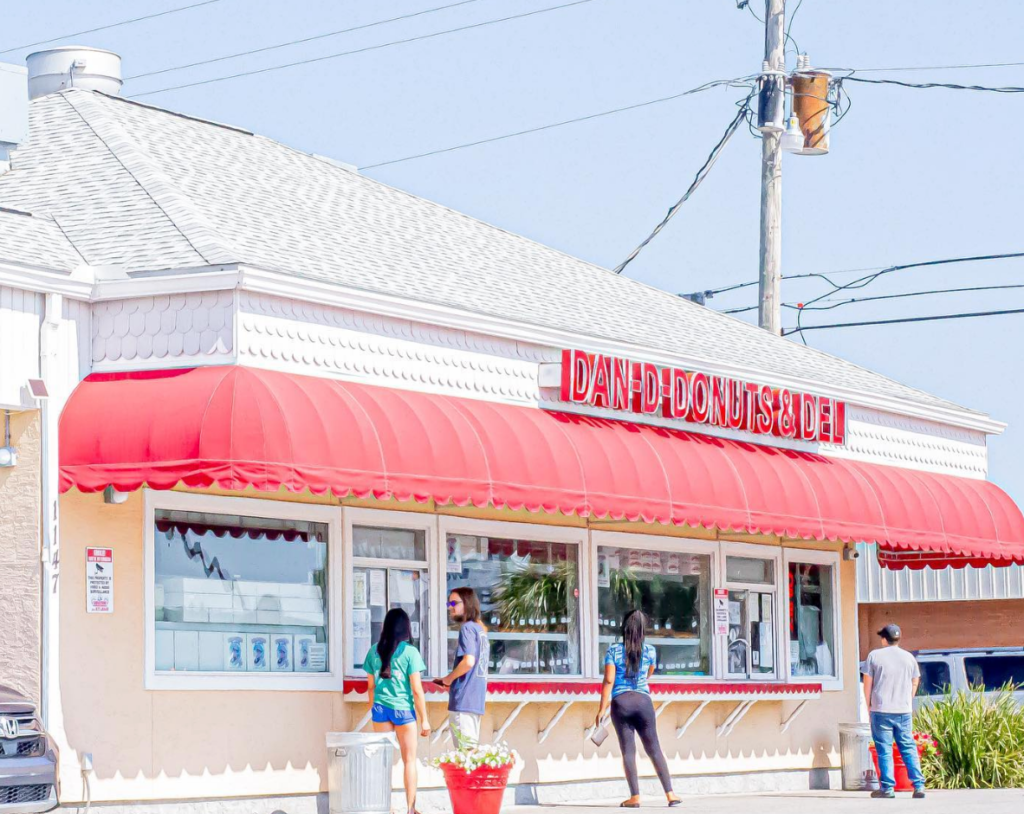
x=237, y=427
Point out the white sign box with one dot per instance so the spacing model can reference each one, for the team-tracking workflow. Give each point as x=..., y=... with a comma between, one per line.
x=99, y=580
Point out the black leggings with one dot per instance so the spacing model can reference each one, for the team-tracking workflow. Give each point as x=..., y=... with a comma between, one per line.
x=632, y=715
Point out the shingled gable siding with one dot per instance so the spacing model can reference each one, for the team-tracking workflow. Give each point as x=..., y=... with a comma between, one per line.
x=19, y=559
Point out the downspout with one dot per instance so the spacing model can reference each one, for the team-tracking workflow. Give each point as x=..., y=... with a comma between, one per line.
x=50, y=372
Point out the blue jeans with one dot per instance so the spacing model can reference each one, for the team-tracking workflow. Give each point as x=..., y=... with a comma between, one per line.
x=885, y=728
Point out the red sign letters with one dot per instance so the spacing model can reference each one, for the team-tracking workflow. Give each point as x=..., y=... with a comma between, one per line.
x=644, y=388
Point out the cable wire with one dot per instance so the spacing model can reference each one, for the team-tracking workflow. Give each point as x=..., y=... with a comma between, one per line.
x=839, y=303
x=707, y=86
x=299, y=41
x=931, y=67
x=927, y=85
x=360, y=50
x=741, y=115
x=969, y=315
x=112, y=25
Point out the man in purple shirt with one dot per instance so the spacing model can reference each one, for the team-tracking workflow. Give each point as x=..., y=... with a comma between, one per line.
x=468, y=679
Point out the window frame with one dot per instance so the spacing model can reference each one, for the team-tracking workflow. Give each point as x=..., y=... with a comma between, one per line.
x=730, y=548
x=383, y=518
x=671, y=545
x=803, y=556
x=154, y=500
x=504, y=529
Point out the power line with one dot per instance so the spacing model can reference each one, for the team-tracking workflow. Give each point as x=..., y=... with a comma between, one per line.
x=588, y=117
x=839, y=303
x=299, y=41
x=702, y=173
x=901, y=69
x=360, y=50
x=928, y=85
x=112, y=25
x=904, y=320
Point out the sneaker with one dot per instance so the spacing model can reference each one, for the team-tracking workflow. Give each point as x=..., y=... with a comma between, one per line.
x=918, y=794
x=883, y=794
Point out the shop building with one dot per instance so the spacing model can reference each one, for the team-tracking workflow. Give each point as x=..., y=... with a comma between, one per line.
x=307, y=397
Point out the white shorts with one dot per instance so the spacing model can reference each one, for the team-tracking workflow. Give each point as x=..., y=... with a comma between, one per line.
x=467, y=724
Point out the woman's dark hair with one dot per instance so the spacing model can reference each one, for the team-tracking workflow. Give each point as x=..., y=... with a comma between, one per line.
x=397, y=629
x=470, y=605
x=633, y=632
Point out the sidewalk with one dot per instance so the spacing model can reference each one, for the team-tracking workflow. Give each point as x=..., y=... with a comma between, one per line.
x=1001, y=801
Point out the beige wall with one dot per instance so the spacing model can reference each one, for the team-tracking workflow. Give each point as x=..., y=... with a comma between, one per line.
x=182, y=744
x=20, y=568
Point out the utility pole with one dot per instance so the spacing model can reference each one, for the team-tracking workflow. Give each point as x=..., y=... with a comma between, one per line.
x=772, y=104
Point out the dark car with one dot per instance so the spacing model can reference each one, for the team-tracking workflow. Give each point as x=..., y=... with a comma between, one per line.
x=29, y=781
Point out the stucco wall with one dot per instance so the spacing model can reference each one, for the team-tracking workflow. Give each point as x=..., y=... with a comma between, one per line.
x=19, y=558
x=186, y=744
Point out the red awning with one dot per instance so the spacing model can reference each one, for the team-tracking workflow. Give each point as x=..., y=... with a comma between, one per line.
x=237, y=427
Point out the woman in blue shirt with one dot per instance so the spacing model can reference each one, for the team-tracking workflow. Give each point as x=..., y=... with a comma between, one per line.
x=627, y=667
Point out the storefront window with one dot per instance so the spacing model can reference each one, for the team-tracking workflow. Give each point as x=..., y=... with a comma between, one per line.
x=389, y=571
x=751, y=650
x=240, y=594
x=529, y=594
x=811, y=620
x=673, y=589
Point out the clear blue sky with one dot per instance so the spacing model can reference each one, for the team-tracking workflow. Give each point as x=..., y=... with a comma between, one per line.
x=914, y=174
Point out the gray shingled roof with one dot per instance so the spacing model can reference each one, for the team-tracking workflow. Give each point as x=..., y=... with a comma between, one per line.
x=34, y=241
x=149, y=189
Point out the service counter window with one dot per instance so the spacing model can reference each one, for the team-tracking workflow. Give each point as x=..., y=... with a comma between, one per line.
x=529, y=595
x=751, y=646
x=812, y=619
x=674, y=590
x=389, y=570
x=239, y=594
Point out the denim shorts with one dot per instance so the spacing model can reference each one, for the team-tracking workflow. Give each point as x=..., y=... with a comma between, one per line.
x=386, y=715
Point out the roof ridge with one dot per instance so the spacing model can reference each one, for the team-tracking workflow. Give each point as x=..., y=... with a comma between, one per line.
x=176, y=206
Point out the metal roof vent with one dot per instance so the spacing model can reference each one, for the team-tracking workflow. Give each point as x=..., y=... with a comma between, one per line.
x=73, y=66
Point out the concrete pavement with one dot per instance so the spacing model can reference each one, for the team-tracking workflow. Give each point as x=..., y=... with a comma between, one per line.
x=1001, y=801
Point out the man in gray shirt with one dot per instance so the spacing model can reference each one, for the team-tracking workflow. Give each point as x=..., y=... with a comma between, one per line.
x=891, y=676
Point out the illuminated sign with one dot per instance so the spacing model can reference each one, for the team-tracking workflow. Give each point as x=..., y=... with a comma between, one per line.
x=719, y=401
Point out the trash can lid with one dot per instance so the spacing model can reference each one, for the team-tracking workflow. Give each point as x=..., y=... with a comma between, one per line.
x=855, y=729
x=336, y=740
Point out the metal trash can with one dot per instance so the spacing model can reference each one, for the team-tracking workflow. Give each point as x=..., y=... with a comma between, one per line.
x=359, y=771
x=858, y=769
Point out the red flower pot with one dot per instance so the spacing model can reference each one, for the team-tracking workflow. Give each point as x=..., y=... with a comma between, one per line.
x=476, y=792
x=899, y=769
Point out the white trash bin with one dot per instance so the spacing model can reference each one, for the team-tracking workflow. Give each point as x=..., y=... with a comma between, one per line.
x=858, y=769
x=359, y=771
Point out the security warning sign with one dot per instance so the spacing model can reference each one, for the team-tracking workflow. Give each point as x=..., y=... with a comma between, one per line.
x=99, y=580
x=721, y=612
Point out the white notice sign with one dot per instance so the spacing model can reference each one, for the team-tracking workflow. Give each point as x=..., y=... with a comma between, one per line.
x=721, y=612
x=99, y=580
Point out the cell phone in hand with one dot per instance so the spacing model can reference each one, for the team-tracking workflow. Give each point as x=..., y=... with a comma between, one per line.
x=599, y=735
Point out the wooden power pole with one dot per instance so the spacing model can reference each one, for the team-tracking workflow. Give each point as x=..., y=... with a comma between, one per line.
x=772, y=98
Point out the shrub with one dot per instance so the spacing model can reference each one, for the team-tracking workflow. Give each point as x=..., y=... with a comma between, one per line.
x=472, y=758
x=979, y=741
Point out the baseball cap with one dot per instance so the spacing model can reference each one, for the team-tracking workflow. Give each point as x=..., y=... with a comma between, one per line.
x=891, y=633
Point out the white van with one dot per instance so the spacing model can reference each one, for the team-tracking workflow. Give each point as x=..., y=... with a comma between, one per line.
x=979, y=669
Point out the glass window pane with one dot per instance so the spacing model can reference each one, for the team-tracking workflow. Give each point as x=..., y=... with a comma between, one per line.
x=529, y=595
x=750, y=569
x=751, y=649
x=673, y=589
x=389, y=544
x=240, y=594
x=935, y=678
x=993, y=672
x=811, y=620
x=376, y=591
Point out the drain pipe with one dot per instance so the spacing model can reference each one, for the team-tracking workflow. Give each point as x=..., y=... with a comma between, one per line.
x=49, y=371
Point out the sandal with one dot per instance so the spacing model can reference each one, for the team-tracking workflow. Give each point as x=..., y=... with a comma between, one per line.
x=629, y=805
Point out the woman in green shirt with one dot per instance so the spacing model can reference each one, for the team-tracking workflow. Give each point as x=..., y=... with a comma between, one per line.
x=394, y=673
